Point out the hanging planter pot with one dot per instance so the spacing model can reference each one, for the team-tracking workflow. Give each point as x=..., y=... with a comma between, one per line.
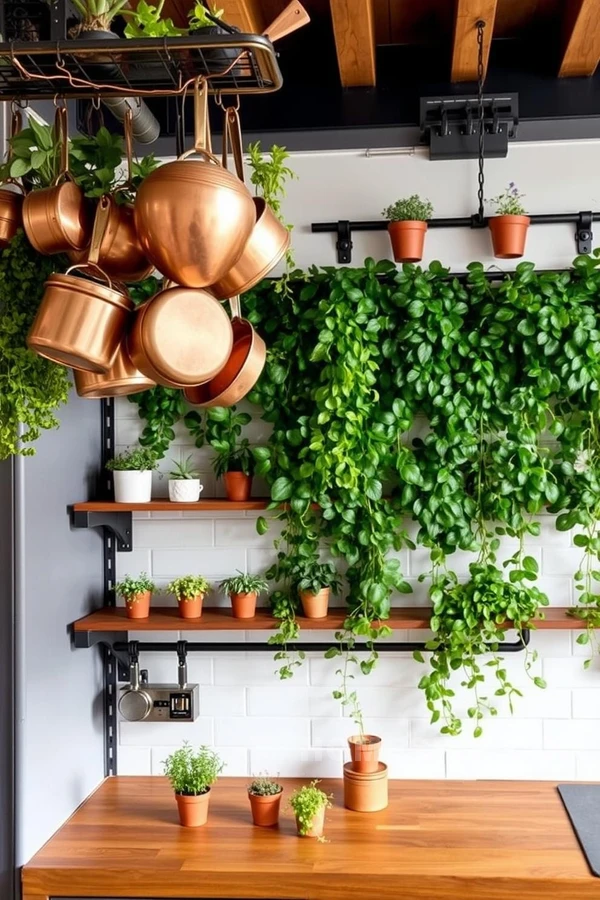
x=509, y=234
x=407, y=226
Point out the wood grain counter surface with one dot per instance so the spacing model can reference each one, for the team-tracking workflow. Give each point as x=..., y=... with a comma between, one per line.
x=473, y=840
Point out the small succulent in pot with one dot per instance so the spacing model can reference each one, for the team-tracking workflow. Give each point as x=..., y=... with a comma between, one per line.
x=184, y=482
x=190, y=591
x=309, y=804
x=315, y=583
x=407, y=226
x=244, y=591
x=509, y=226
x=192, y=773
x=132, y=475
x=137, y=593
x=265, y=799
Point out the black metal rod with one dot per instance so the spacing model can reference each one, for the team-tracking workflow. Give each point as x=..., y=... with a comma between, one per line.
x=460, y=222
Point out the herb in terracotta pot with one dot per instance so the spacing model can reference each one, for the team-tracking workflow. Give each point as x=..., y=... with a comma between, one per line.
x=315, y=584
x=132, y=475
x=407, y=226
x=191, y=774
x=309, y=804
x=243, y=591
x=509, y=226
x=137, y=593
x=234, y=461
x=184, y=483
x=265, y=799
x=190, y=591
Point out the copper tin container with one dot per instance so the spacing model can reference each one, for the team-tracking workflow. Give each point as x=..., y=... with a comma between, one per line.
x=180, y=337
x=120, y=253
x=121, y=379
x=80, y=323
x=11, y=215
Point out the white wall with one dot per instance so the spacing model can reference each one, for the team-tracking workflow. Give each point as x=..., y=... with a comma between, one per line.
x=294, y=727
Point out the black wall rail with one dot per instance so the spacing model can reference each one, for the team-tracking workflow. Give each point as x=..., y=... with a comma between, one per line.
x=344, y=228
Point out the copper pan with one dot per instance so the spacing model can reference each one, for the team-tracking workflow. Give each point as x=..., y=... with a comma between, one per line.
x=238, y=377
x=57, y=219
x=269, y=239
x=11, y=203
x=180, y=337
x=193, y=217
x=121, y=379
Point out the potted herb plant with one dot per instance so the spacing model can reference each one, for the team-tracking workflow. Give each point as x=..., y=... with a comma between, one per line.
x=184, y=483
x=509, y=226
x=309, y=804
x=145, y=22
x=137, y=593
x=243, y=591
x=132, y=475
x=364, y=751
x=190, y=591
x=265, y=799
x=216, y=60
x=234, y=461
x=315, y=583
x=96, y=18
x=192, y=773
x=407, y=226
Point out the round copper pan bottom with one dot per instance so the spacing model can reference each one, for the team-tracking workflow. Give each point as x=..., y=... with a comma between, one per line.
x=239, y=375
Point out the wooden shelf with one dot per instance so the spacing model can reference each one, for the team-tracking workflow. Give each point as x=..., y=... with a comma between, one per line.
x=211, y=504
x=112, y=619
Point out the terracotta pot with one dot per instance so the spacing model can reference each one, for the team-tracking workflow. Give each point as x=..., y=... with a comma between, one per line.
x=364, y=750
x=318, y=824
x=407, y=240
x=265, y=810
x=509, y=234
x=193, y=809
x=244, y=607
x=138, y=607
x=191, y=609
x=366, y=791
x=315, y=605
x=238, y=486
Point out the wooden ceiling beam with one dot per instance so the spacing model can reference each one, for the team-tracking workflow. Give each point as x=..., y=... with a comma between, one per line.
x=581, y=39
x=354, y=32
x=464, y=48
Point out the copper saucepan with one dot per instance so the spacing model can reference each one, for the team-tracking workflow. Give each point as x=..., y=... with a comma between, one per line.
x=180, y=337
x=121, y=379
x=238, y=377
x=269, y=239
x=193, y=217
x=57, y=219
x=11, y=203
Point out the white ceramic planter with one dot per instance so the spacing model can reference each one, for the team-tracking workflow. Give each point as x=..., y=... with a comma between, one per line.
x=185, y=490
x=132, y=487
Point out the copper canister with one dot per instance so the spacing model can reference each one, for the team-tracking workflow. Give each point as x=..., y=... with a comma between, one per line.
x=11, y=215
x=121, y=379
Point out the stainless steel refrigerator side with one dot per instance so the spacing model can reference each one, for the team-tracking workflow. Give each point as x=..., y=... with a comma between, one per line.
x=7, y=682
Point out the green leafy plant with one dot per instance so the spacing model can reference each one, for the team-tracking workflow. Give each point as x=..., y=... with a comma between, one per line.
x=409, y=209
x=35, y=155
x=223, y=430
x=97, y=15
x=244, y=584
x=509, y=202
x=145, y=21
x=139, y=459
x=130, y=587
x=187, y=587
x=269, y=174
x=306, y=802
x=193, y=772
x=184, y=471
x=199, y=18
x=161, y=408
x=94, y=161
x=31, y=388
x=263, y=786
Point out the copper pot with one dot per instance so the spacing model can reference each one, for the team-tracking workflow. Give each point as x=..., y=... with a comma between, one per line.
x=180, y=337
x=11, y=202
x=57, y=219
x=194, y=217
x=242, y=371
x=121, y=379
x=80, y=323
x=269, y=239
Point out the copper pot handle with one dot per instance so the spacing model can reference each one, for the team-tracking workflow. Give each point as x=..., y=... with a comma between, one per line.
x=61, y=128
x=99, y=230
x=88, y=265
x=232, y=137
x=294, y=16
x=235, y=307
x=128, y=129
x=16, y=124
x=202, y=141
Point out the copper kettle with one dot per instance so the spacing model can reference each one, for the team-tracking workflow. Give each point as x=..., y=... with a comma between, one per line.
x=194, y=217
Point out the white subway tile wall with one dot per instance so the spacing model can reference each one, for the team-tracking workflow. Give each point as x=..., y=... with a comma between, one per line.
x=295, y=728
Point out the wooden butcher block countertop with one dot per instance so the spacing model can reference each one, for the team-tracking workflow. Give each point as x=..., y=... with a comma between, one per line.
x=465, y=840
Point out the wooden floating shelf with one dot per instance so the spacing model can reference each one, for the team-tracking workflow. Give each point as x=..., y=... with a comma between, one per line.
x=212, y=504
x=167, y=618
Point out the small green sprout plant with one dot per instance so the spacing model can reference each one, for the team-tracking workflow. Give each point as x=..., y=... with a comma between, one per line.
x=140, y=459
x=193, y=772
x=223, y=433
x=509, y=202
x=131, y=588
x=199, y=17
x=187, y=587
x=244, y=584
x=307, y=802
x=409, y=209
x=145, y=22
x=184, y=471
x=263, y=786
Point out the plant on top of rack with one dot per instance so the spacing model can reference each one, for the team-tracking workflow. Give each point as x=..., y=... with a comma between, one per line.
x=96, y=15
x=199, y=16
x=145, y=21
x=31, y=388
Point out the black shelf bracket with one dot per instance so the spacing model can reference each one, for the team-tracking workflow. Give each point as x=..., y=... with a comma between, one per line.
x=120, y=523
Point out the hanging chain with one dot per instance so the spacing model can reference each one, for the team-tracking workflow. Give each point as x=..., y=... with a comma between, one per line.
x=480, y=25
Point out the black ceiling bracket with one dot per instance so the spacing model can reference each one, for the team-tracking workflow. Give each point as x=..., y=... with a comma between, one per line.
x=448, y=125
x=344, y=242
x=120, y=522
x=584, y=234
